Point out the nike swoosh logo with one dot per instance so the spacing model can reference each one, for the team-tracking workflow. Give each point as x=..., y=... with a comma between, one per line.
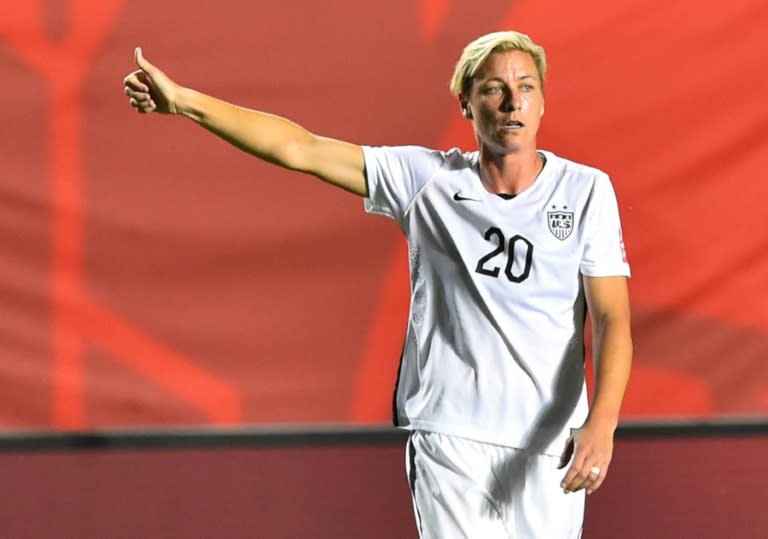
x=457, y=197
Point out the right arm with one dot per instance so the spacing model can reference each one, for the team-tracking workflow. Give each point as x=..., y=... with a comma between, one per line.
x=268, y=137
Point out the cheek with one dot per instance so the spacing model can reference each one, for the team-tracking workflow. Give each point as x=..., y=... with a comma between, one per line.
x=484, y=114
x=530, y=103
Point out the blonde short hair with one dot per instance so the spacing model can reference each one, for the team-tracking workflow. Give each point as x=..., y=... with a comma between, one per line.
x=476, y=53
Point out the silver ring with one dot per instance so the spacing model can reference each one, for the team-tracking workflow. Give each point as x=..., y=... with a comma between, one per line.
x=595, y=470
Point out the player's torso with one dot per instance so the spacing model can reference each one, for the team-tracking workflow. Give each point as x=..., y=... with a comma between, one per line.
x=526, y=249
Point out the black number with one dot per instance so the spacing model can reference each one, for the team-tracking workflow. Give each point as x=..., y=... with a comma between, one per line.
x=511, y=260
x=491, y=232
x=494, y=235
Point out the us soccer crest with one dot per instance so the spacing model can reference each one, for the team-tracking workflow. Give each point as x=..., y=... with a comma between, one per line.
x=560, y=222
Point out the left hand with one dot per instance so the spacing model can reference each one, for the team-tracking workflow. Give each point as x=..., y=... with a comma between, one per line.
x=588, y=449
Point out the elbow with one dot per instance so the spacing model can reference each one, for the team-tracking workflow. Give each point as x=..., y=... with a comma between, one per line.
x=293, y=152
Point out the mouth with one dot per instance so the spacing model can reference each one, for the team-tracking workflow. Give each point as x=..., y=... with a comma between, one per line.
x=513, y=125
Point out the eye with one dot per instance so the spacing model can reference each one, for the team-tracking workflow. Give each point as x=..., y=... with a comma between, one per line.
x=493, y=90
x=527, y=88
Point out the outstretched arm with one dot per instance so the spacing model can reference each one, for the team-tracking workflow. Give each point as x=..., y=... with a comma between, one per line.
x=592, y=445
x=268, y=137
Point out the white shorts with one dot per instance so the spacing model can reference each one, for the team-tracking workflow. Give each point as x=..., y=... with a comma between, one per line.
x=473, y=490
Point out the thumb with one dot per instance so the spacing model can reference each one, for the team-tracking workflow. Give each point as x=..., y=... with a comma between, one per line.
x=142, y=62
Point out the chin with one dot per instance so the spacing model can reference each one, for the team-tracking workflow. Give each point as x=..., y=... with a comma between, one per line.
x=509, y=149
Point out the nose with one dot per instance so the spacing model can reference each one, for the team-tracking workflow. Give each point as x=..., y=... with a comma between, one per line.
x=512, y=101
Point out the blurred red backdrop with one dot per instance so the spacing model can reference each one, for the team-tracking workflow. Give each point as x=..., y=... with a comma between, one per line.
x=153, y=275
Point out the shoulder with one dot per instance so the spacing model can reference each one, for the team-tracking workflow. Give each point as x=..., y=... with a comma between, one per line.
x=453, y=157
x=419, y=160
x=578, y=177
x=573, y=169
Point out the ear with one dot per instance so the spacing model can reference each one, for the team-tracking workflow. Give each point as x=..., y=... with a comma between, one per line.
x=464, y=105
x=541, y=112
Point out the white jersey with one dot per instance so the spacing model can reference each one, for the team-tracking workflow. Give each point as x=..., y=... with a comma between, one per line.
x=494, y=349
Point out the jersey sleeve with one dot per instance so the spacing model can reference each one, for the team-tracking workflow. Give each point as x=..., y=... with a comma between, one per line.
x=395, y=175
x=604, y=252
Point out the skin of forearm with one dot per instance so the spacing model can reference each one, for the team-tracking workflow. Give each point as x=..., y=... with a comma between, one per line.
x=277, y=140
x=268, y=137
x=612, y=359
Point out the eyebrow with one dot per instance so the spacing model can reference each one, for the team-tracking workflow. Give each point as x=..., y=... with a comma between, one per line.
x=499, y=79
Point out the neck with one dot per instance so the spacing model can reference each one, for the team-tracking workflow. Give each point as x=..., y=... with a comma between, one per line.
x=511, y=173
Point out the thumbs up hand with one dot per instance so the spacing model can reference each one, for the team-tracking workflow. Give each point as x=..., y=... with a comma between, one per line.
x=149, y=89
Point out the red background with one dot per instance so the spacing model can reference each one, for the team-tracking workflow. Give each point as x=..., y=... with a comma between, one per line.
x=152, y=275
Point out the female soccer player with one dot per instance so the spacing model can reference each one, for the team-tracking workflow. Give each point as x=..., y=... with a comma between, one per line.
x=510, y=247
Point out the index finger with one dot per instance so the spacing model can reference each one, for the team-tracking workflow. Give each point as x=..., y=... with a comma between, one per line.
x=133, y=81
x=573, y=475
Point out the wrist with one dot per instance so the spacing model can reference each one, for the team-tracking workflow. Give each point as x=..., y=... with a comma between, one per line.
x=184, y=104
x=602, y=420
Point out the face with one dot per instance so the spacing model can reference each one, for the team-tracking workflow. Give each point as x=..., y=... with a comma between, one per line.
x=506, y=103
